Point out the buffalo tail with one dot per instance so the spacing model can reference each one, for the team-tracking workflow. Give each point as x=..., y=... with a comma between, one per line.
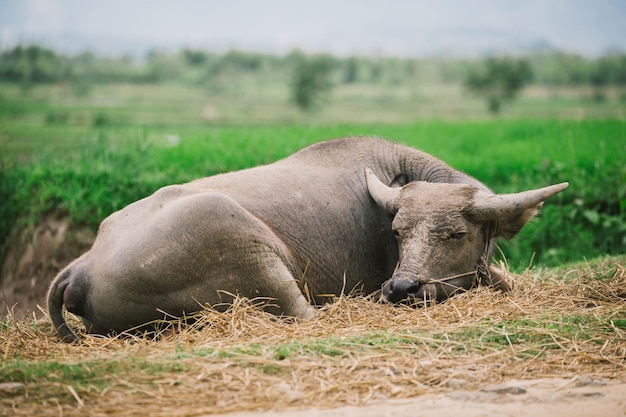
x=55, y=308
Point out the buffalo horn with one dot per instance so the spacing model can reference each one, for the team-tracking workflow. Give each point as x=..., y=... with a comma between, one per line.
x=488, y=207
x=383, y=195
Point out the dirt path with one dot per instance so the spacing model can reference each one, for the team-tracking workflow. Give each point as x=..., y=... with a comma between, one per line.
x=539, y=398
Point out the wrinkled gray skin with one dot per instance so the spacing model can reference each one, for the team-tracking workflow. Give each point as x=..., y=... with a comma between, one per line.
x=327, y=216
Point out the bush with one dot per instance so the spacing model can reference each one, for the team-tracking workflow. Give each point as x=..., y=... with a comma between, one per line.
x=311, y=82
x=499, y=80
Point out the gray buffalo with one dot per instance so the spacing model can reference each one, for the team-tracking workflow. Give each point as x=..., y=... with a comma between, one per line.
x=339, y=215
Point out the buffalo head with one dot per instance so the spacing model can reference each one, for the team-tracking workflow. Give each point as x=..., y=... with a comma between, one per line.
x=444, y=233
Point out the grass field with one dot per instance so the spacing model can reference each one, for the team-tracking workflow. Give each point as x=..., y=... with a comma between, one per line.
x=250, y=102
x=90, y=155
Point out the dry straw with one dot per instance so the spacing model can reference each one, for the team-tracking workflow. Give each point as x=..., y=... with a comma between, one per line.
x=555, y=323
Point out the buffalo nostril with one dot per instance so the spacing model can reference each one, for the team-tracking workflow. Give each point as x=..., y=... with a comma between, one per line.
x=404, y=287
x=401, y=289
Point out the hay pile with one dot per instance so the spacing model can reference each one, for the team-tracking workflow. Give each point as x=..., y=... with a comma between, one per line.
x=556, y=323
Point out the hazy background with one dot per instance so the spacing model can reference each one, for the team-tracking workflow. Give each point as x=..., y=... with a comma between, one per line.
x=372, y=27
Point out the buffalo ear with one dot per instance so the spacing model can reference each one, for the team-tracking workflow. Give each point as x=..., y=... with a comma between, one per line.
x=399, y=181
x=507, y=228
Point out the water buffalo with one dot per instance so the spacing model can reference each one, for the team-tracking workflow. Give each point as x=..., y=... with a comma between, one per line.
x=342, y=214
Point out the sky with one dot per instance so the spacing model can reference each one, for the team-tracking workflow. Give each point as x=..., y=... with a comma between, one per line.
x=343, y=27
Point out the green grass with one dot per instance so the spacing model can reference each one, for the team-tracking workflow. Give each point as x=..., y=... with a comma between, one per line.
x=88, y=156
x=88, y=376
x=90, y=176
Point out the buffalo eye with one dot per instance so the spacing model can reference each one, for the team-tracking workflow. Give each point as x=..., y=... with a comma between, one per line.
x=395, y=232
x=457, y=235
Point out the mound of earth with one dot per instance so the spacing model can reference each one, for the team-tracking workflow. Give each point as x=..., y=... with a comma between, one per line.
x=35, y=255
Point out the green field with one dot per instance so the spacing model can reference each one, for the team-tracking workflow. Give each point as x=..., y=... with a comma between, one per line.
x=87, y=156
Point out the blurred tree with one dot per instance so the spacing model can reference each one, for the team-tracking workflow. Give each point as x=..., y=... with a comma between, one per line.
x=163, y=67
x=31, y=65
x=82, y=73
x=599, y=77
x=499, y=80
x=619, y=76
x=376, y=70
x=400, y=70
x=241, y=61
x=194, y=58
x=311, y=81
x=351, y=72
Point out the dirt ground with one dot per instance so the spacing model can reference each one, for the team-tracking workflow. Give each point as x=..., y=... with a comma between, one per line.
x=33, y=259
x=539, y=398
